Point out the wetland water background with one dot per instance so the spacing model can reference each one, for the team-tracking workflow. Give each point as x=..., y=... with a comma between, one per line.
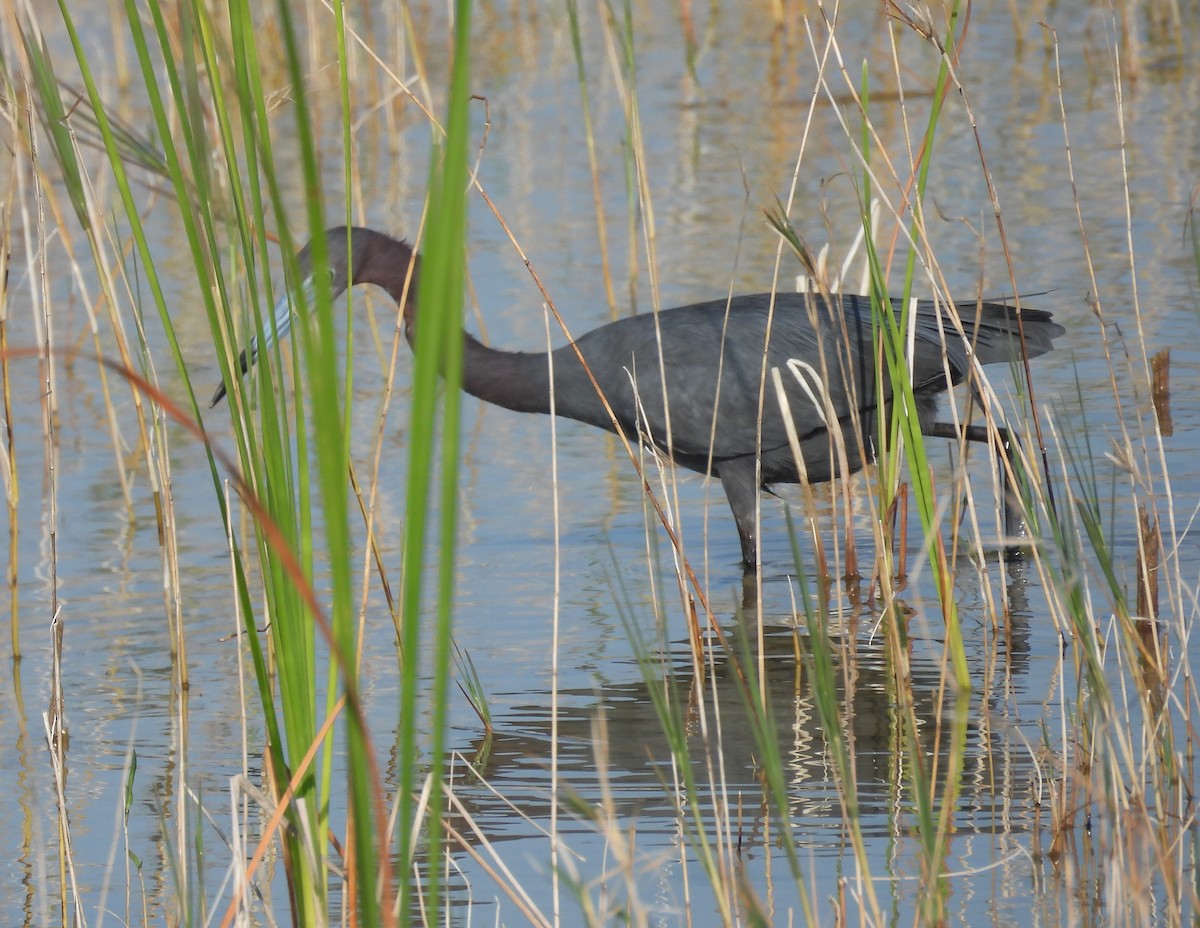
x=720, y=147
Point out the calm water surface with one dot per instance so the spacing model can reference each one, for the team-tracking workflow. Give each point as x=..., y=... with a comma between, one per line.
x=720, y=148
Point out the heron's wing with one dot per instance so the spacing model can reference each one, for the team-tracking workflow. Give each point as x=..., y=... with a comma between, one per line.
x=825, y=353
x=713, y=357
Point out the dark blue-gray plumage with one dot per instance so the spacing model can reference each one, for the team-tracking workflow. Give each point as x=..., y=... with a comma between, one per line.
x=637, y=360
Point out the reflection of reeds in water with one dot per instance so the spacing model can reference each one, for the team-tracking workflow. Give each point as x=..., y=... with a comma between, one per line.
x=618, y=733
x=515, y=760
x=752, y=742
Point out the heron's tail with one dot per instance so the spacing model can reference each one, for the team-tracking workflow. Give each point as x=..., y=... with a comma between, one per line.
x=994, y=331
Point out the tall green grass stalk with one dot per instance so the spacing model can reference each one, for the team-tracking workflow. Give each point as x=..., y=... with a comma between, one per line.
x=190, y=55
x=438, y=351
x=935, y=809
x=904, y=422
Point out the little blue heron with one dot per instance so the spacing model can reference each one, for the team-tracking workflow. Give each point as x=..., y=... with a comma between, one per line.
x=709, y=355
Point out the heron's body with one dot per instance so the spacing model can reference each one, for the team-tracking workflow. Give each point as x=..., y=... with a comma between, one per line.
x=664, y=375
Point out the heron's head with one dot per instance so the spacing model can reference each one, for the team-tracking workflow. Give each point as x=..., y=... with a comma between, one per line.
x=353, y=256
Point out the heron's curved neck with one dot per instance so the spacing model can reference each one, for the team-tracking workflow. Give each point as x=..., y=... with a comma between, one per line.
x=513, y=379
x=516, y=380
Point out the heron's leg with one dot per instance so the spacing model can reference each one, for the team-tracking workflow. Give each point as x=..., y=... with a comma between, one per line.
x=1014, y=524
x=741, y=489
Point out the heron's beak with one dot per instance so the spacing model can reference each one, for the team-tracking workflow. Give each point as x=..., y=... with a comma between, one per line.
x=281, y=324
